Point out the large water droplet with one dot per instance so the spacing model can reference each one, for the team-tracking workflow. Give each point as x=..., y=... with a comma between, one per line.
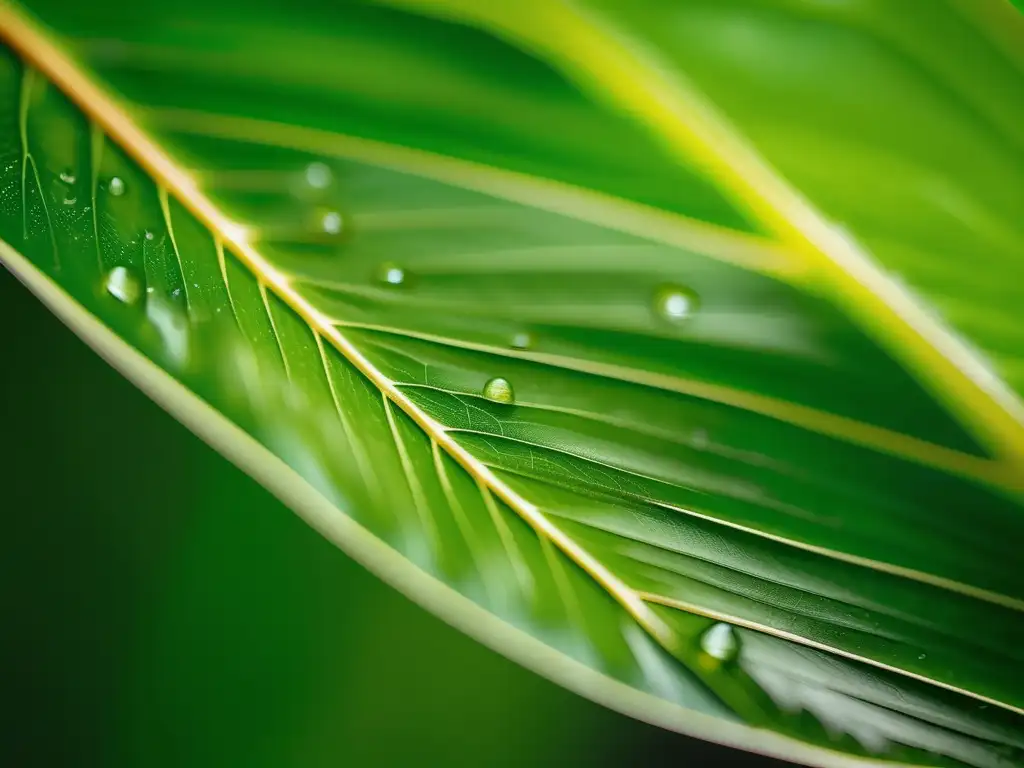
x=124, y=285
x=116, y=186
x=318, y=176
x=172, y=325
x=721, y=642
x=149, y=234
x=68, y=176
x=498, y=390
x=522, y=340
x=331, y=222
x=675, y=303
x=391, y=274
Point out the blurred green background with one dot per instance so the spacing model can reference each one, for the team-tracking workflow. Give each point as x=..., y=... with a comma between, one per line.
x=161, y=609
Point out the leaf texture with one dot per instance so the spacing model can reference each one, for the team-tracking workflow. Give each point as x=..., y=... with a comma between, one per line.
x=601, y=387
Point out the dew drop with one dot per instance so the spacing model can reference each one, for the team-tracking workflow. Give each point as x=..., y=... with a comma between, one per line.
x=123, y=284
x=498, y=390
x=522, y=340
x=68, y=176
x=318, y=176
x=675, y=303
x=390, y=273
x=720, y=642
x=116, y=186
x=331, y=222
x=172, y=325
x=70, y=200
x=149, y=234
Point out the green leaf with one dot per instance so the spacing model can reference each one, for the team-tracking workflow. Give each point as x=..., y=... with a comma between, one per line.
x=580, y=325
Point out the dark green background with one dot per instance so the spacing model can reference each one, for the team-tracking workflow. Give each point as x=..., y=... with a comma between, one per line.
x=161, y=609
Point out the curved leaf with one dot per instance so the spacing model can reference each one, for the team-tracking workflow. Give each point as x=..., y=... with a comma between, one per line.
x=545, y=303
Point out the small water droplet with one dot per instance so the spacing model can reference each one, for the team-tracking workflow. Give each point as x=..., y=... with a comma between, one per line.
x=318, y=176
x=116, y=186
x=522, y=340
x=70, y=200
x=923, y=656
x=498, y=390
x=331, y=222
x=149, y=235
x=721, y=642
x=391, y=274
x=176, y=294
x=124, y=285
x=68, y=176
x=150, y=289
x=675, y=303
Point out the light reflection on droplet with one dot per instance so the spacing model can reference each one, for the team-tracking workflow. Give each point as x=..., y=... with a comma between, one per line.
x=124, y=285
x=522, y=340
x=68, y=176
x=499, y=390
x=391, y=274
x=70, y=200
x=720, y=642
x=675, y=303
x=331, y=222
x=149, y=234
x=318, y=175
x=116, y=187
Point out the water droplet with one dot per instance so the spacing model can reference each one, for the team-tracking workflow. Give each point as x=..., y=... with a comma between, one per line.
x=116, y=186
x=318, y=175
x=124, y=285
x=721, y=642
x=391, y=274
x=68, y=176
x=70, y=200
x=149, y=235
x=675, y=303
x=331, y=222
x=498, y=390
x=923, y=656
x=172, y=325
x=522, y=340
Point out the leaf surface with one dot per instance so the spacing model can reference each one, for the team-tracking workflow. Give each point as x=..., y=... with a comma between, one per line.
x=616, y=380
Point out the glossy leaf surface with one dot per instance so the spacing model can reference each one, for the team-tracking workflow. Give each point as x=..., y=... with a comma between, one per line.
x=549, y=304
